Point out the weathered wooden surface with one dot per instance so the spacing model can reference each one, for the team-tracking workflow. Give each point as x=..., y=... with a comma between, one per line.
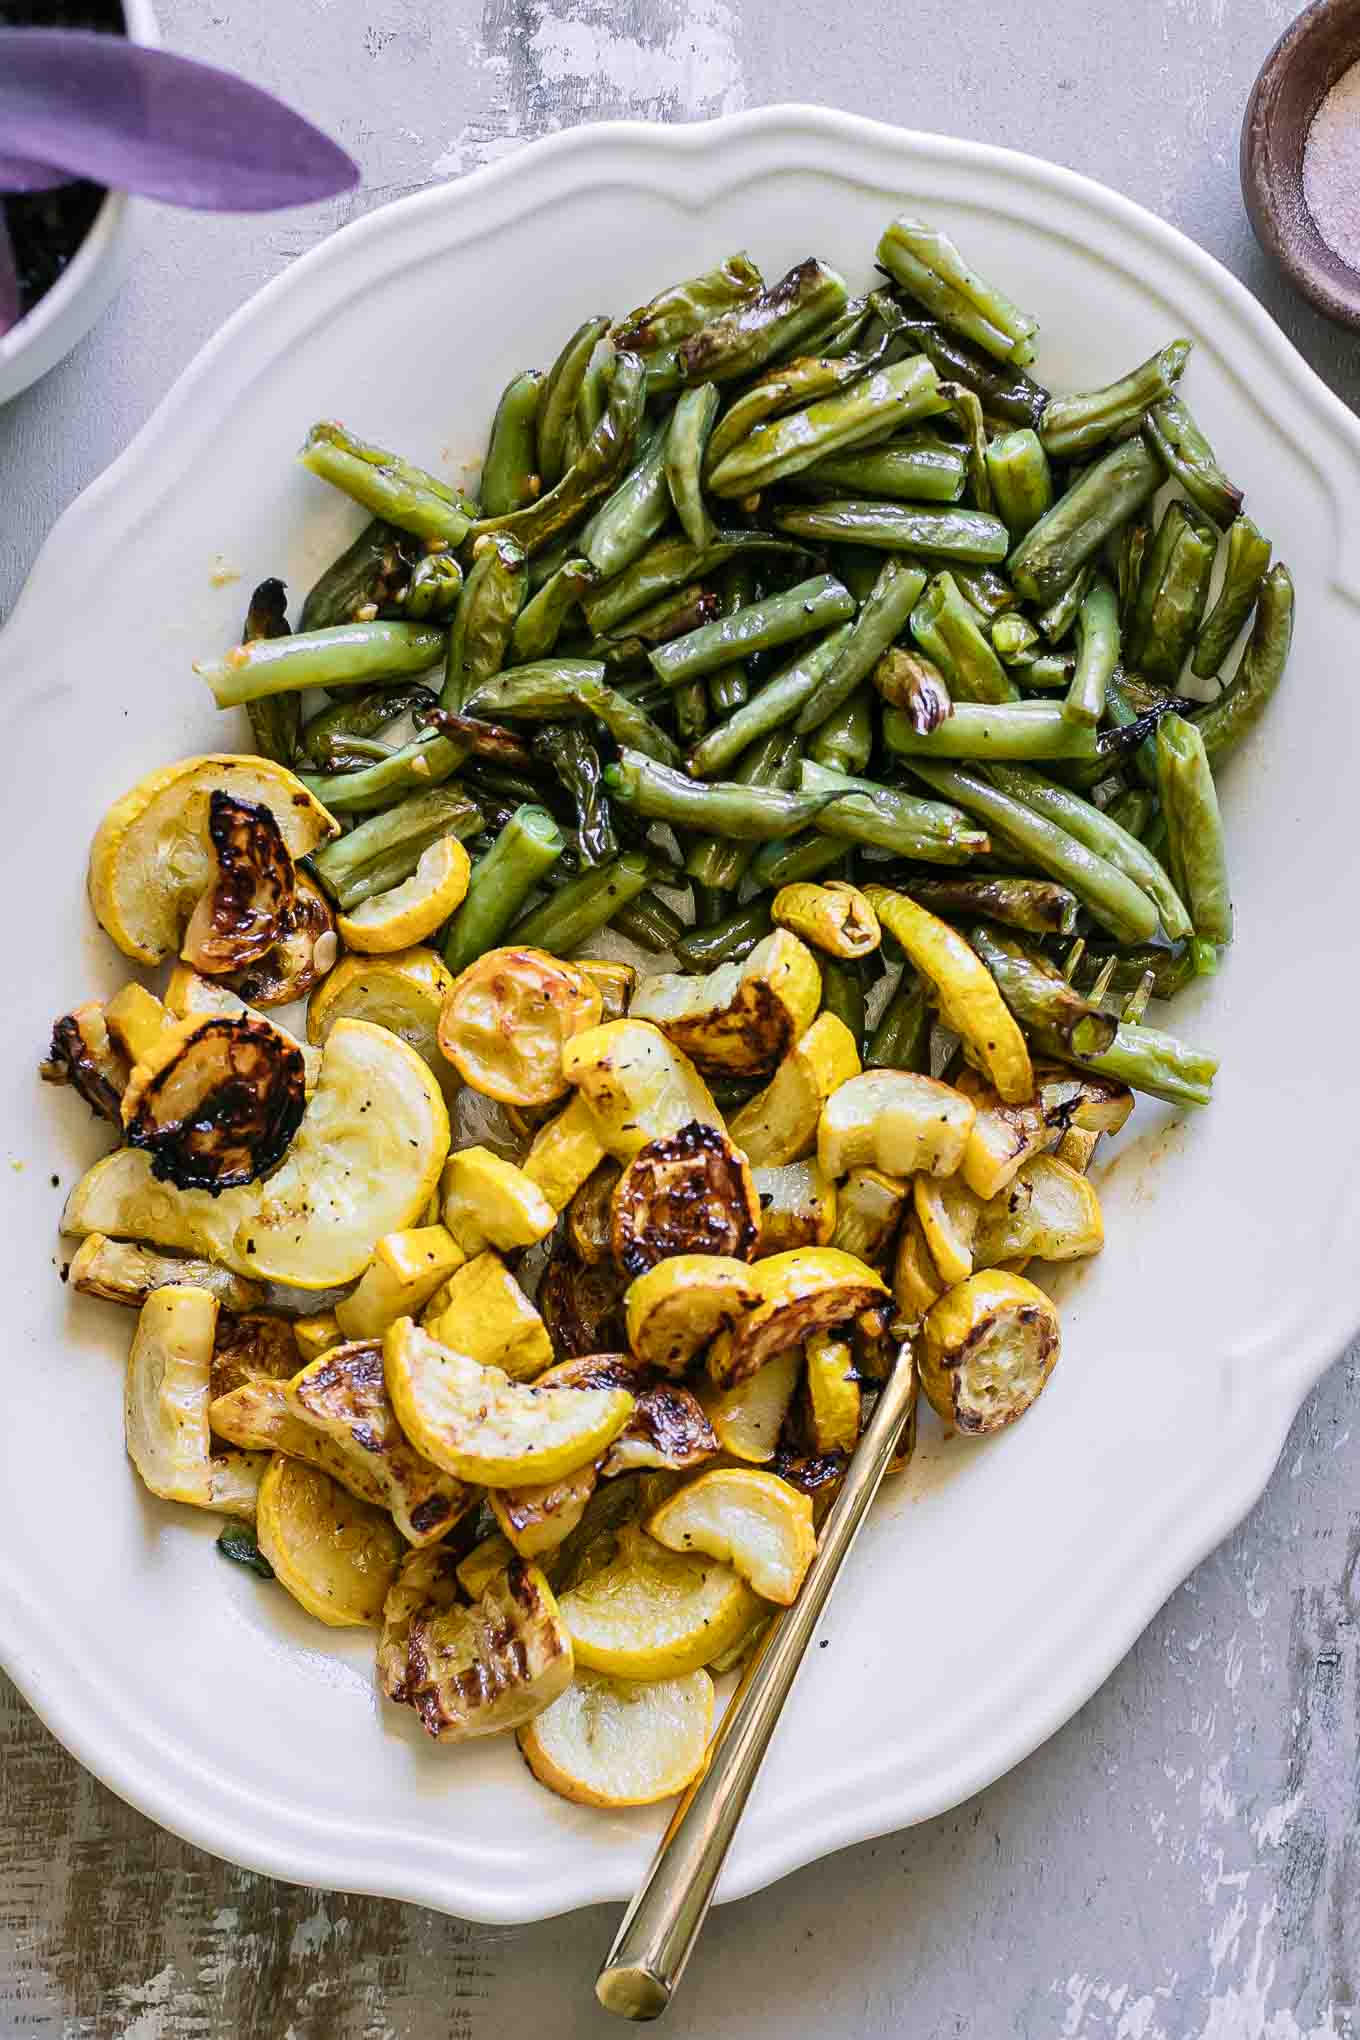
x=1181, y=1862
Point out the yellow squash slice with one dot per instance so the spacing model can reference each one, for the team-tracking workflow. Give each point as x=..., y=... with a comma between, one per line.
x=896, y=1121
x=690, y=1192
x=473, y=1671
x=802, y=1292
x=428, y=1581
x=1003, y=1136
x=165, y=1407
x=488, y=1202
x=256, y=1346
x=477, y=1423
x=362, y=1163
x=483, y=1562
x=835, y=917
x=917, y=1282
x=797, y=1208
x=637, y=1085
x=988, y=1348
x=615, y=983
x=565, y=1153
x=1049, y=1211
x=509, y=1017
x=395, y=920
x=779, y=1124
x=968, y=998
x=833, y=1393
x=536, y=1519
x=949, y=1213
x=406, y=1269
x=483, y=1313
x=752, y=1521
x=621, y=1742
x=315, y=1335
x=152, y=856
x=650, y=1613
x=748, y=1417
x=256, y=1416
x=678, y=1307
x=404, y=992
x=336, y=1556
x=742, y=1017
x=868, y=1207
x=343, y=1395
x=136, y=1020
x=123, y=1273
x=189, y=997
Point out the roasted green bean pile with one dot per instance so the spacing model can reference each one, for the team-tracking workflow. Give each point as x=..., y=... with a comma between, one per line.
x=768, y=582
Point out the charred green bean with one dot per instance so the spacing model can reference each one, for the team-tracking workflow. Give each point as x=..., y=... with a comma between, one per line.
x=386, y=485
x=756, y=814
x=525, y=850
x=1040, y=996
x=1055, y=549
x=945, y=627
x=900, y=527
x=811, y=606
x=510, y=473
x=986, y=730
x=1097, y=654
x=483, y=624
x=1245, y=569
x=926, y=263
x=882, y=618
x=1073, y=425
x=1194, y=826
x=1239, y=707
x=1100, y=832
x=346, y=655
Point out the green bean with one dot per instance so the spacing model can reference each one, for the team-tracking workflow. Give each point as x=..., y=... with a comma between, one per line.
x=432, y=592
x=510, y=470
x=799, y=611
x=843, y=995
x=1014, y=639
x=901, y=1040
x=712, y=903
x=591, y=396
x=882, y=618
x=946, y=629
x=273, y=721
x=1238, y=708
x=633, y=513
x=578, y=911
x=344, y=866
x=1169, y=611
x=1172, y=969
x=1045, y=670
x=1246, y=567
x=557, y=401
x=1073, y=531
x=1146, y=1060
x=727, y=941
x=918, y=468
x=1058, y=618
x=792, y=859
x=1033, y=905
x=386, y=485
x=1007, y=393
x=425, y=762
x=832, y=339
x=538, y=692
x=986, y=730
x=575, y=762
x=539, y=623
x=479, y=637
x=857, y=566
x=1194, y=826
x=686, y=441
x=900, y=527
x=1114, y=899
x=727, y=690
x=1040, y=996
x=1097, y=654
x=628, y=723
x=1133, y=542
x=525, y=850
x=237, y=1541
x=776, y=703
x=908, y=680
x=986, y=589
x=690, y=706
x=1073, y=425
x=789, y=387
x=553, y=558
x=674, y=616
x=591, y=475
x=363, y=581
x=880, y=402
x=926, y=263
x=740, y=341
x=1133, y=810
x=1101, y=833
x=1022, y=484
x=682, y=308
x=967, y=409
x=650, y=923
x=845, y=741
x=667, y=564
x=753, y=813
x=346, y=655
x=884, y=819
x=715, y=861
x=1189, y=460
x=328, y=731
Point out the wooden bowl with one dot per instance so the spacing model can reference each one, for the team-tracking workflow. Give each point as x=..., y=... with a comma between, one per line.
x=1295, y=79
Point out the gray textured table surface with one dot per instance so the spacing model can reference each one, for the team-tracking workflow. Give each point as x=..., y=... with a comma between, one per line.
x=1182, y=1861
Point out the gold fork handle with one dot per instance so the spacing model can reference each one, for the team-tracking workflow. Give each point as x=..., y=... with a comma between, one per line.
x=659, y=1930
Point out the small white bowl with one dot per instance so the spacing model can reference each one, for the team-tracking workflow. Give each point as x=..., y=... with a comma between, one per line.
x=66, y=313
